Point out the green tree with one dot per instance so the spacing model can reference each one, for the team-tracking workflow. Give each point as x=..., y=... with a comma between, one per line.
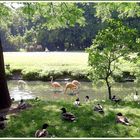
x=112, y=43
x=119, y=10
x=41, y=23
x=74, y=37
x=128, y=13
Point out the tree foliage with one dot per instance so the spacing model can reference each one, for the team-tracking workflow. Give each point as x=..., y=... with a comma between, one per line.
x=55, y=15
x=128, y=13
x=117, y=10
x=112, y=43
x=64, y=35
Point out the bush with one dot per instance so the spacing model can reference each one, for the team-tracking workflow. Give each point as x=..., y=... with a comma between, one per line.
x=118, y=78
x=44, y=75
x=16, y=70
x=30, y=75
x=8, y=74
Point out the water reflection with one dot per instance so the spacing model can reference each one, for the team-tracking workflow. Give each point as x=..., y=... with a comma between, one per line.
x=20, y=93
x=44, y=91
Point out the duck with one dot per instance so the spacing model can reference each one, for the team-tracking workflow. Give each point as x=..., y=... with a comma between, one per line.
x=67, y=116
x=42, y=132
x=86, y=98
x=121, y=119
x=99, y=108
x=77, y=102
x=22, y=84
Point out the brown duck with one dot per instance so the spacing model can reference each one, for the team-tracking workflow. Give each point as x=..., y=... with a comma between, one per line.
x=67, y=116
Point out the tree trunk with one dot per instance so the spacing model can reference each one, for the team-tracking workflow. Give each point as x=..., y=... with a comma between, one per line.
x=5, y=101
x=109, y=88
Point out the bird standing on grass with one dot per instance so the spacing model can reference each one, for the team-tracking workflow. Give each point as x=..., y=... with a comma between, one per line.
x=86, y=98
x=42, y=132
x=77, y=102
x=67, y=116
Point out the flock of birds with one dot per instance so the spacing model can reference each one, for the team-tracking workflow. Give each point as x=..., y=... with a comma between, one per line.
x=71, y=117
x=68, y=116
x=69, y=85
x=74, y=85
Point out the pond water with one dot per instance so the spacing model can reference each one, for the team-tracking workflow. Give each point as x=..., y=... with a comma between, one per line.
x=45, y=91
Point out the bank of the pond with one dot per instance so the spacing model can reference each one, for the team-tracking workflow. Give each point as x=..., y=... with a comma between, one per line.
x=44, y=75
x=78, y=73
x=88, y=124
x=42, y=65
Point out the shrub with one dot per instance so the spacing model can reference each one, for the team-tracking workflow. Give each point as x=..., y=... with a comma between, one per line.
x=8, y=74
x=30, y=74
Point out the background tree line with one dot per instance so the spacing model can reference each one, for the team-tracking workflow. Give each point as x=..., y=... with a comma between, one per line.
x=32, y=34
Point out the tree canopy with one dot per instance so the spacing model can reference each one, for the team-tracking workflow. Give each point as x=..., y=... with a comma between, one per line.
x=55, y=26
x=112, y=43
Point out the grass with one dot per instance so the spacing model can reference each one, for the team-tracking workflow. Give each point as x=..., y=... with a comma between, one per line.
x=45, y=64
x=45, y=60
x=88, y=124
x=41, y=65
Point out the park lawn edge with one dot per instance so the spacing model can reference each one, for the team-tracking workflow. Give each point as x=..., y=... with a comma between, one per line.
x=88, y=123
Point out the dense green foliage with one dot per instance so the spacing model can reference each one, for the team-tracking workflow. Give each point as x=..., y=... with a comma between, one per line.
x=88, y=123
x=118, y=40
x=112, y=43
x=62, y=26
x=73, y=26
x=59, y=26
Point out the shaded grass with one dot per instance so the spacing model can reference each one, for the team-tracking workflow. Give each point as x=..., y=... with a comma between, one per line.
x=88, y=123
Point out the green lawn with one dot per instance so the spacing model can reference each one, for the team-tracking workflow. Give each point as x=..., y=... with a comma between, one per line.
x=43, y=60
x=41, y=65
x=88, y=124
